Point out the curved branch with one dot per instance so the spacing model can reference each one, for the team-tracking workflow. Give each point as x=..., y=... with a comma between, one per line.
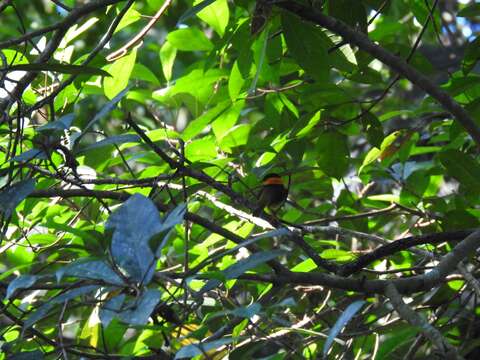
x=394, y=62
x=408, y=285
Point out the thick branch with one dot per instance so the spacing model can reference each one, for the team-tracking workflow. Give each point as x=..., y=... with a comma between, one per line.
x=396, y=63
x=417, y=320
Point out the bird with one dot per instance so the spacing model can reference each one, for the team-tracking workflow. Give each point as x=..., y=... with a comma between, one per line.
x=272, y=195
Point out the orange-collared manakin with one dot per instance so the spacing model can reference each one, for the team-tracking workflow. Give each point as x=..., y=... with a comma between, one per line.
x=272, y=195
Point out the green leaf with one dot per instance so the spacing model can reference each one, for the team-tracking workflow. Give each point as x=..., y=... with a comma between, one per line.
x=191, y=12
x=61, y=68
x=463, y=167
x=216, y=15
x=299, y=36
x=14, y=194
x=351, y=12
x=472, y=55
x=346, y=316
x=373, y=128
x=227, y=120
x=459, y=219
x=201, y=150
x=198, y=125
x=167, y=57
x=121, y=70
x=300, y=130
x=236, y=136
x=189, y=39
x=336, y=254
x=235, y=82
x=332, y=154
x=470, y=11
x=198, y=83
x=141, y=72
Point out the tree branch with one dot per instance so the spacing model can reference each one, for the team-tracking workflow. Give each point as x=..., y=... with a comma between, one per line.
x=394, y=62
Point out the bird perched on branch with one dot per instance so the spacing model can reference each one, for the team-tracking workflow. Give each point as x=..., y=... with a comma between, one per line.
x=272, y=195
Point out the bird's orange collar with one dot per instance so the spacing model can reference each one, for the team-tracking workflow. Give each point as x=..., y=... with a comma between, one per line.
x=273, y=181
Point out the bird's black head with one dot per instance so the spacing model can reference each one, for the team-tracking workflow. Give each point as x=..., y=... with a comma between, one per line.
x=270, y=176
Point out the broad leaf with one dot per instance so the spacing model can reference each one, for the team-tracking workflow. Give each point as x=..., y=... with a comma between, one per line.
x=139, y=310
x=134, y=224
x=95, y=270
x=346, y=316
x=21, y=282
x=14, y=194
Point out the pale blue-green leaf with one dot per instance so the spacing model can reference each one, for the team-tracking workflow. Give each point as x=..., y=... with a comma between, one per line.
x=240, y=267
x=268, y=234
x=121, y=70
x=142, y=309
x=111, y=309
x=13, y=195
x=21, y=282
x=189, y=39
x=37, y=315
x=247, y=312
x=108, y=107
x=174, y=217
x=27, y=355
x=346, y=316
x=71, y=294
x=192, y=350
x=134, y=224
x=30, y=155
x=61, y=124
x=95, y=270
x=117, y=140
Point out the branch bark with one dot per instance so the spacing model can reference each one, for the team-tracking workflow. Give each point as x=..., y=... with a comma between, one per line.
x=394, y=62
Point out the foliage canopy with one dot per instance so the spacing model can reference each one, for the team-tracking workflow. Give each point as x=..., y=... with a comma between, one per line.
x=133, y=139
